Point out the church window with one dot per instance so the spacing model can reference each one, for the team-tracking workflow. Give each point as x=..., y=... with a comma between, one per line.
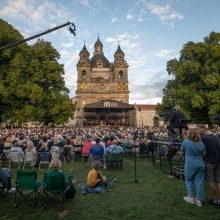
x=83, y=74
x=84, y=56
x=120, y=75
x=99, y=63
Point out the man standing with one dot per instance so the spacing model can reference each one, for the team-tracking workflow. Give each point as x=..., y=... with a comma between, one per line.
x=212, y=163
x=177, y=120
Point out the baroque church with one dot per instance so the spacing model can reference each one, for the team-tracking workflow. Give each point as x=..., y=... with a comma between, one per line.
x=102, y=94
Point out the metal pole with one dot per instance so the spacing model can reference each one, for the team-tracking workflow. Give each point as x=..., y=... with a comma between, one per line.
x=135, y=163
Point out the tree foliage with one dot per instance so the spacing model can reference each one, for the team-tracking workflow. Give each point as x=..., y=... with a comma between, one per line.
x=32, y=86
x=196, y=83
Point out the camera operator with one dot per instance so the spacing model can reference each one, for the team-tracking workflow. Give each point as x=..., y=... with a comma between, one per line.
x=177, y=121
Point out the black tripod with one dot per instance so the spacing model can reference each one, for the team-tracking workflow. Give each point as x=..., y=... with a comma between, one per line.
x=171, y=132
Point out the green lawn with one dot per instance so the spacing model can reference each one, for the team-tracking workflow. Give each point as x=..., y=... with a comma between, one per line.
x=156, y=196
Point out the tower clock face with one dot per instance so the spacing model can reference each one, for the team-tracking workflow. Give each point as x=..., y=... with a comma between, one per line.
x=121, y=86
x=83, y=85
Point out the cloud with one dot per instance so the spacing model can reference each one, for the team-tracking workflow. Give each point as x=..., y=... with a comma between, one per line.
x=146, y=87
x=34, y=13
x=87, y=4
x=140, y=19
x=114, y=20
x=165, y=13
x=166, y=54
x=67, y=44
x=131, y=45
x=129, y=17
x=110, y=40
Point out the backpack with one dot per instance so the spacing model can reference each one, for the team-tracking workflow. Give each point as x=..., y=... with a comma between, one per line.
x=70, y=192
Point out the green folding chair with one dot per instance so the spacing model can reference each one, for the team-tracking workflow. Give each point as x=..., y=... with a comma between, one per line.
x=26, y=185
x=53, y=183
x=115, y=159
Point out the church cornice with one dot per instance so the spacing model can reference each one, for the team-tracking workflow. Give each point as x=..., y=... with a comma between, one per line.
x=83, y=64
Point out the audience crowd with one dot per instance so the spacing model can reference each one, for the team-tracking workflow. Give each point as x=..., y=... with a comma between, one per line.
x=100, y=141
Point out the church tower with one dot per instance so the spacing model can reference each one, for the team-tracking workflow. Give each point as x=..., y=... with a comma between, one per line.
x=98, y=79
x=121, y=71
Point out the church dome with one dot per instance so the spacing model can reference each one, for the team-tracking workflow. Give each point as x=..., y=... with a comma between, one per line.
x=98, y=42
x=119, y=51
x=99, y=60
x=84, y=51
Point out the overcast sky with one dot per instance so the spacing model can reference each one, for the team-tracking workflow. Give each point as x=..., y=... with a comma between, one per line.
x=150, y=32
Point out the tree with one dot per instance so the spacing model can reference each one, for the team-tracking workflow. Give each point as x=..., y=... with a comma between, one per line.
x=32, y=87
x=196, y=83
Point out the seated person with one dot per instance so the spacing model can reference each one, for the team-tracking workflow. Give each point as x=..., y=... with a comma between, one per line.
x=110, y=141
x=16, y=148
x=5, y=179
x=31, y=148
x=97, y=151
x=95, y=177
x=55, y=167
x=114, y=148
x=87, y=146
x=55, y=152
x=68, y=149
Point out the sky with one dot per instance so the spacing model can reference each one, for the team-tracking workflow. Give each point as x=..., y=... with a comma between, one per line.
x=150, y=32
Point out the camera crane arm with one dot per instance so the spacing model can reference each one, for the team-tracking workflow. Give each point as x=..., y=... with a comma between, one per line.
x=72, y=29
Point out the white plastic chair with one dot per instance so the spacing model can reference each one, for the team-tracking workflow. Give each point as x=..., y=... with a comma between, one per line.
x=29, y=158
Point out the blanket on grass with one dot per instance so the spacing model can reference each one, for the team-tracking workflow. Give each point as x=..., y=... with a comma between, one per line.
x=84, y=188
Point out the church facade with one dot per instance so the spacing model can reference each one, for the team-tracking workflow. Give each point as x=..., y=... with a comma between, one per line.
x=100, y=80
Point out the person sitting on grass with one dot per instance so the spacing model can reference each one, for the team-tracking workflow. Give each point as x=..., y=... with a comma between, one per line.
x=194, y=167
x=95, y=177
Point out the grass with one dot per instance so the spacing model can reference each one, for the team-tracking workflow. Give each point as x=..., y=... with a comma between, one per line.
x=155, y=196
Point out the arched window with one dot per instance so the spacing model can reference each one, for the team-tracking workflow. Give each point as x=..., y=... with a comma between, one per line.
x=120, y=75
x=83, y=74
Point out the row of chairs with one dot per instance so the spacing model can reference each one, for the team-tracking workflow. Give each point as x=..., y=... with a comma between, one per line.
x=29, y=158
x=44, y=157
x=27, y=184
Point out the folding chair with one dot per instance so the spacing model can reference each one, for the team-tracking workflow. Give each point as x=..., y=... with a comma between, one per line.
x=53, y=183
x=15, y=157
x=29, y=158
x=96, y=158
x=44, y=158
x=26, y=185
x=69, y=154
x=115, y=159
